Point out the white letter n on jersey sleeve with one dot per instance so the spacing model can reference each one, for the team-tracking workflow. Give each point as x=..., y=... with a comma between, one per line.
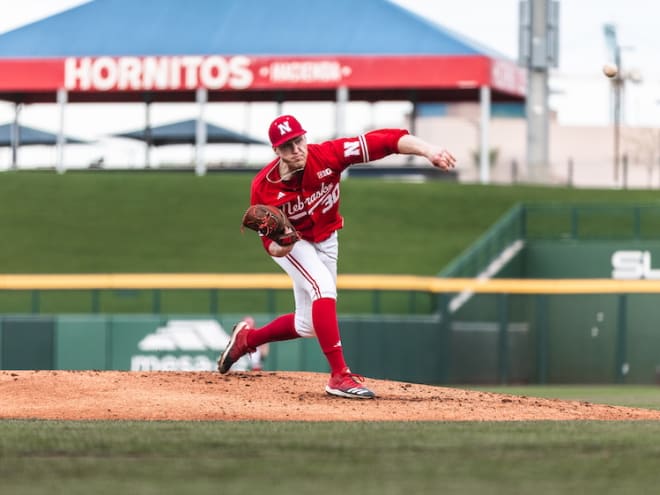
x=353, y=148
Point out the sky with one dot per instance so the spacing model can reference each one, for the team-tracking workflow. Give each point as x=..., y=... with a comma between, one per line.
x=580, y=93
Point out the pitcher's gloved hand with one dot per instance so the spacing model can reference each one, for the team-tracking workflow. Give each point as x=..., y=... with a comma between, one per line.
x=270, y=222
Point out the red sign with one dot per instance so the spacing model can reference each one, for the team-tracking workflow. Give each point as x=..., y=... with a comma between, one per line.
x=235, y=73
x=31, y=75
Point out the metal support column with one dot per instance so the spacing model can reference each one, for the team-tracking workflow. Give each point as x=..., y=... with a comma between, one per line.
x=200, y=132
x=148, y=138
x=542, y=338
x=484, y=135
x=622, y=366
x=62, y=97
x=340, y=117
x=15, y=136
x=444, y=351
x=503, y=339
x=340, y=113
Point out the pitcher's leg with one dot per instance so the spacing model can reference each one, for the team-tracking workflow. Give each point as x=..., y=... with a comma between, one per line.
x=281, y=328
x=313, y=271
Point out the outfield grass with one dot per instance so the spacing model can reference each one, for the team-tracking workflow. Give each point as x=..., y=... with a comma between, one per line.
x=89, y=222
x=645, y=396
x=45, y=457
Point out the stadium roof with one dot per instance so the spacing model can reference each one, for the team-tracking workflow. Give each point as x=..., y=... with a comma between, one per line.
x=235, y=27
x=248, y=50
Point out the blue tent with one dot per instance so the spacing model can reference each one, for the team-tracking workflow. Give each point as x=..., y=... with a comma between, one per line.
x=28, y=136
x=184, y=132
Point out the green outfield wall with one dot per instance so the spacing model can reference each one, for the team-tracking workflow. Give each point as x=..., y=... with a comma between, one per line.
x=27, y=342
x=575, y=300
x=570, y=258
x=494, y=338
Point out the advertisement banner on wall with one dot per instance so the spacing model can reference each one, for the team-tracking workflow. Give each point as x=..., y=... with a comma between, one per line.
x=634, y=264
x=172, y=345
x=247, y=72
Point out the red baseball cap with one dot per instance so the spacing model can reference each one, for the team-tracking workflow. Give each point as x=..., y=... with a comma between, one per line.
x=284, y=128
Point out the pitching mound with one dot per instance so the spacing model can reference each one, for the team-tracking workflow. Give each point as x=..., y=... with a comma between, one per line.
x=271, y=396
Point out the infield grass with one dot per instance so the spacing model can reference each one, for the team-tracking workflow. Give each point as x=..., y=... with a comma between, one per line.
x=46, y=457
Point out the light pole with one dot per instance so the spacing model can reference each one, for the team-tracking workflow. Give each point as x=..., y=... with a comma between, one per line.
x=538, y=49
x=618, y=83
x=609, y=30
x=617, y=86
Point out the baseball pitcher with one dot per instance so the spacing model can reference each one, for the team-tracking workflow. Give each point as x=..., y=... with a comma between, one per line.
x=295, y=209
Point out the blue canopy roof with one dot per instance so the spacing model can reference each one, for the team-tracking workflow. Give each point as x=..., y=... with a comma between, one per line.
x=30, y=136
x=184, y=132
x=229, y=27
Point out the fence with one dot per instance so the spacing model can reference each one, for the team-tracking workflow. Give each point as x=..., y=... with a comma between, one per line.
x=199, y=293
x=543, y=331
x=533, y=222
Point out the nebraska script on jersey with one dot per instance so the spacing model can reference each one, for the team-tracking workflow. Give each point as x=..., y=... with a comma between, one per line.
x=310, y=198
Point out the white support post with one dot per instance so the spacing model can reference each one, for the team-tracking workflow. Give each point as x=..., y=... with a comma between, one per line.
x=340, y=118
x=340, y=111
x=484, y=138
x=200, y=132
x=147, y=134
x=62, y=97
x=15, y=137
x=246, y=129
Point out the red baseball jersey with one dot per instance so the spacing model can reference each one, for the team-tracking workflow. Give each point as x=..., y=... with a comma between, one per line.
x=310, y=198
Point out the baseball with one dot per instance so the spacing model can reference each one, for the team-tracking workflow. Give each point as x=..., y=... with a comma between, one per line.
x=610, y=70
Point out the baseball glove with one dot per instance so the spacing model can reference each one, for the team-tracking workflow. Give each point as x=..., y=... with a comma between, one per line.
x=270, y=222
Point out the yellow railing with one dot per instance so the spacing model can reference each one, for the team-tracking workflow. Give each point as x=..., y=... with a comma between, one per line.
x=349, y=282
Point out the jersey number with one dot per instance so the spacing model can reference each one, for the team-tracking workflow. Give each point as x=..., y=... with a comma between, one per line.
x=330, y=199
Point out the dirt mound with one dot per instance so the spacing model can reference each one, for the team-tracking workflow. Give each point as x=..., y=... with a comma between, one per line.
x=272, y=396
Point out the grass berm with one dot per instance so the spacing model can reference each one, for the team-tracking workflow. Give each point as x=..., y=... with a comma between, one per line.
x=173, y=222
x=120, y=222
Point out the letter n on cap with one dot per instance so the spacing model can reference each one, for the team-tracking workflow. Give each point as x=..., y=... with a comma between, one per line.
x=284, y=127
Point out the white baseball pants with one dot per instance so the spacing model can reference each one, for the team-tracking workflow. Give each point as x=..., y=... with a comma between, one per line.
x=313, y=269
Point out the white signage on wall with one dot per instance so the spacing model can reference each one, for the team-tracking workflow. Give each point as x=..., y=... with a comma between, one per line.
x=183, y=345
x=633, y=265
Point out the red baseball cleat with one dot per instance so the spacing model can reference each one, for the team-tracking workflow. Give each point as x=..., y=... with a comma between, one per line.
x=345, y=384
x=237, y=346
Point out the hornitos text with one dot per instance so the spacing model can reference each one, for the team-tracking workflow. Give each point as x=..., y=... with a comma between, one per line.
x=157, y=73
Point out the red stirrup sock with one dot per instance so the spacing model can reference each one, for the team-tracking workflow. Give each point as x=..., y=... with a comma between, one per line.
x=281, y=328
x=324, y=318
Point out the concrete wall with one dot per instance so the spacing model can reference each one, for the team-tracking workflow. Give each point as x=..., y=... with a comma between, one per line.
x=590, y=148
